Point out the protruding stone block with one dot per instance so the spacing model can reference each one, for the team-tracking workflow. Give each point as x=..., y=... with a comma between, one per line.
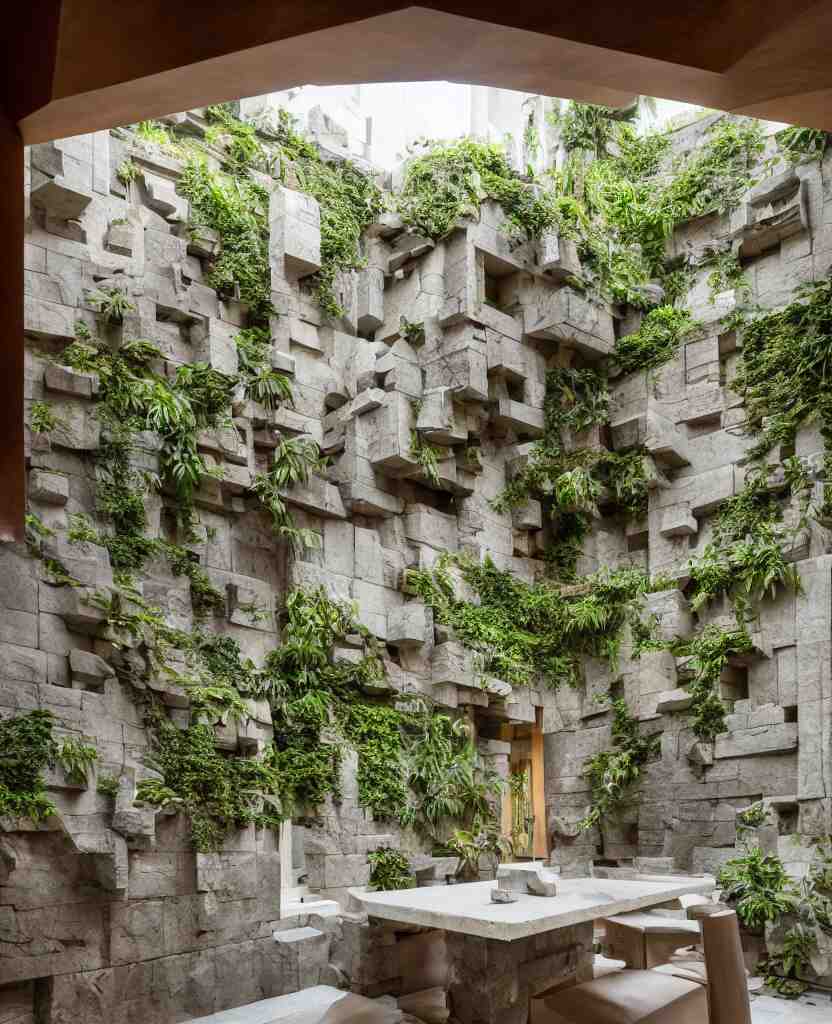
x=570, y=318
x=48, y=488
x=411, y=625
x=294, y=232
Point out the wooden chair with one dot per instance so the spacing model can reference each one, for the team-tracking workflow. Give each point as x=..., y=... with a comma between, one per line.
x=651, y=997
x=643, y=940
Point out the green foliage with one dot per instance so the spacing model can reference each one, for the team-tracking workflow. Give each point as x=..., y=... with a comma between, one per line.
x=42, y=418
x=709, y=652
x=294, y=461
x=26, y=749
x=76, y=758
x=427, y=455
x=798, y=144
x=758, y=887
x=524, y=632
x=219, y=793
x=107, y=785
x=111, y=304
x=389, y=870
x=784, y=374
x=613, y=773
x=656, y=341
x=450, y=180
x=591, y=127
x=483, y=840
x=128, y=170
x=754, y=816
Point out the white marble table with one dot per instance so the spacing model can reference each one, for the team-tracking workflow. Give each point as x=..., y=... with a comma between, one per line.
x=468, y=908
x=501, y=955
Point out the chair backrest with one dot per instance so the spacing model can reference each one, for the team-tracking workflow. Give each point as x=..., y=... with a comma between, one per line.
x=727, y=986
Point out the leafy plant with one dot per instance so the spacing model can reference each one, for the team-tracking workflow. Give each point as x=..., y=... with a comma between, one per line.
x=427, y=455
x=76, y=758
x=754, y=816
x=107, y=785
x=709, y=652
x=294, y=461
x=111, y=303
x=483, y=840
x=42, y=418
x=798, y=144
x=26, y=749
x=613, y=773
x=389, y=870
x=656, y=341
x=128, y=170
x=758, y=887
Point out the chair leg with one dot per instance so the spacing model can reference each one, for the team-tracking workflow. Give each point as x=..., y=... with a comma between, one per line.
x=626, y=944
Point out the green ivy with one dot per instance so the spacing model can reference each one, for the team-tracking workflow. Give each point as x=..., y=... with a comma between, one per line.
x=613, y=773
x=655, y=342
x=26, y=749
x=389, y=869
x=709, y=652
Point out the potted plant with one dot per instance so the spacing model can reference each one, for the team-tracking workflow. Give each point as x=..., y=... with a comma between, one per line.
x=483, y=840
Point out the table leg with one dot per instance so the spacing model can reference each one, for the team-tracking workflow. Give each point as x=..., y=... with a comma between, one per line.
x=491, y=982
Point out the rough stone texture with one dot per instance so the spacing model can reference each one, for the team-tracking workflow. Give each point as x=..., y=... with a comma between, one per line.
x=107, y=913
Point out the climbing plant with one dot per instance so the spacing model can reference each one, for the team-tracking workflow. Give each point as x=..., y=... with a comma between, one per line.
x=27, y=748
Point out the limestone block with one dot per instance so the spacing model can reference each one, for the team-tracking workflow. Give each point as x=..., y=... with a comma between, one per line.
x=160, y=195
x=459, y=363
x=671, y=612
x=48, y=488
x=408, y=246
x=370, y=299
x=776, y=209
x=229, y=876
x=318, y=496
x=304, y=334
x=250, y=604
x=673, y=700
x=367, y=500
x=523, y=419
x=568, y=317
x=294, y=232
x=89, y=671
x=506, y=357
x=452, y=663
x=701, y=753
x=78, y=429
x=677, y=521
x=213, y=343
x=424, y=525
x=528, y=517
x=558, y=257
x=411, y=625
x=64, y=381
x=62, y=198
x=390, y=447
x=438, y=421
x=771, y=739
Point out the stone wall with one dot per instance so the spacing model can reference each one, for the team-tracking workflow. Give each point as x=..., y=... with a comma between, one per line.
x=106, y=912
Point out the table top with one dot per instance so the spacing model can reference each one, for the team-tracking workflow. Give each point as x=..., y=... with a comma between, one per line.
x=468, y=908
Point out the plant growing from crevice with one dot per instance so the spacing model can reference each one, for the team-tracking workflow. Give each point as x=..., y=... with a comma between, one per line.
x=294, y=461
x=42, y=418
x=798, y=144
x=613, y=773
x=111, y=303
x=27, y=748
x=427, y=456
x=656, y=341
x=76, y=758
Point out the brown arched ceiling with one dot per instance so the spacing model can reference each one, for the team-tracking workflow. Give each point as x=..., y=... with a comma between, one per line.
x=119, y=62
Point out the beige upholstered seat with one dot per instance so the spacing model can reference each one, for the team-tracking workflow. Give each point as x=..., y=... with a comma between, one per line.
x=625, y=997
x=656, y=997
x=644, y=940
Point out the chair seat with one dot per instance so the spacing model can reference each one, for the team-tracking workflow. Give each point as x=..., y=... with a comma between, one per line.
x=690, y=970
x=653, y=924
x=626, y=997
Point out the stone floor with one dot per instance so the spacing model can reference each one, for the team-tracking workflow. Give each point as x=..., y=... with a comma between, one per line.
x=812, y=1008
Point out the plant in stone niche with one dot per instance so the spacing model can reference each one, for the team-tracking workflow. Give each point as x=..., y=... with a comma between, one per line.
x=111, y=303
x=107, y=785
x=389, y=870
x=205, y=597
x=76, y=758
x=26, y=749
x=413, y=333
x=294, y=461
x=427, y=455
x=42, y=418
x=262, y=383
x=450, y=180
x=755, y=815
x=613, y=773
x=798, y=144
x=128, y=170
x=471, y=846
x=709, y=652
x=154, y=133
x=726, y=274
x=758, y=887
x=590, y=126
x=656, y=341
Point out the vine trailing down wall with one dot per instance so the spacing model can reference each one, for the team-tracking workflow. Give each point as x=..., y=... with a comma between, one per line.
x=335, y=485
